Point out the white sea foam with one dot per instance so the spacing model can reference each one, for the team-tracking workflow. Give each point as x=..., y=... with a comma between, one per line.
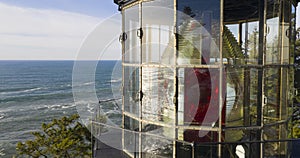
x=68, y=85
x=2, y=116
x=68, y=106
x=2, y=152
x=117, y=80
x=80, y=84
x=30, y=90
x=21, y=91
x=43, y=107
x=54, y=106
x=88, y=83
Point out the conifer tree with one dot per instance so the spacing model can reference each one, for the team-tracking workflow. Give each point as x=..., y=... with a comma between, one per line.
x=61, y=138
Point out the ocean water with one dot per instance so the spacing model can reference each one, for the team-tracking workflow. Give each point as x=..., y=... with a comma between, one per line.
x=33, y=92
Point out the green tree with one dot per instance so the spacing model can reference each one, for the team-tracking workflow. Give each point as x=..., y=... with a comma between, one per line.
x=296, y=110
x=61, y=138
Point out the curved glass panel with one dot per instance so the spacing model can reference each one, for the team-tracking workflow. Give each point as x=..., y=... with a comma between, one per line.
x=198, y=25
x=157, y=141
x=130, y=136
x=131, y=90
x=132, y=41
x=258, y=81
x=158, y=32
x=272, y=35
x=158, y=92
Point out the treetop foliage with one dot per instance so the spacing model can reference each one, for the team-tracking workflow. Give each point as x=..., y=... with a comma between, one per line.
x=61, y=138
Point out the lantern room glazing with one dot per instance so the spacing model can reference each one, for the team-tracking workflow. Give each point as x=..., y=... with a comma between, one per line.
x=207, y=78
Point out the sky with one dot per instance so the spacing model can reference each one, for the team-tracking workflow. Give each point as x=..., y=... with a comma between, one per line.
x=51, y=29
x=48, y=29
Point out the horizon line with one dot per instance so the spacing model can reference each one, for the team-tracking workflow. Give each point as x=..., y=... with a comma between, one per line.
x=54, y=60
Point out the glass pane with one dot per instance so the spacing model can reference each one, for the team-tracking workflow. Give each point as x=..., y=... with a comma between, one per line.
x=131, y=124
x=235, y=104
x=276, y=149
x=198, y=25
x=131, y=90
x=285, y=31
x=272, y=108
x=273, y=37
x=198, y=91
x=198, y=103
x=132, y=43
x=296, y=79
x=250, y=42
x=158, y=32
x=285, y=95
x=158, y=93
x=276, y=132
x=292, y=32
x=232, y=50
x=184, y=149
x=157, y=141
x=233, y=150
x=109, y=110
x=131, y=138
x=234, y=29
x=244, y=146
x=206, y=150
x=253, y=96
x=241, y=99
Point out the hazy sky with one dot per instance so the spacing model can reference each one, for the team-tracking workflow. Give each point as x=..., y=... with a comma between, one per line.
x=50, y=29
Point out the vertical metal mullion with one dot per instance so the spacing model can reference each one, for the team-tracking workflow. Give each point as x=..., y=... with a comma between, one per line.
x=123, y=81
x=248, y=83
x=264, y=44
x=260, y=92
x=281, y=70
x=140, y=86
x=240, y=37
x=284, y=73
x=294, y=61
x=175, y=99
x=246, y=101
x=220, y=80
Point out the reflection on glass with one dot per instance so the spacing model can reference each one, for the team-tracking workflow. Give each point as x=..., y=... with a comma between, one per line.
x=198, y=103
x=272, y=91
x=157, y=141
x=198, y=31
x=253, y=97
x=158, y=92
x=234, y=54
x=131, y=90
x=131, y=142
x=132, y=41
x=256, y=94
x=158, y=35
x=272, y=45
x=273, y=37
x=275, y=132
x=234, y=96
x=249, y=150
x=285, y=31
x=251, y=42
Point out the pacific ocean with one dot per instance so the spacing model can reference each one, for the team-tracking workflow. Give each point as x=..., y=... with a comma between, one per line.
x=33, y=92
